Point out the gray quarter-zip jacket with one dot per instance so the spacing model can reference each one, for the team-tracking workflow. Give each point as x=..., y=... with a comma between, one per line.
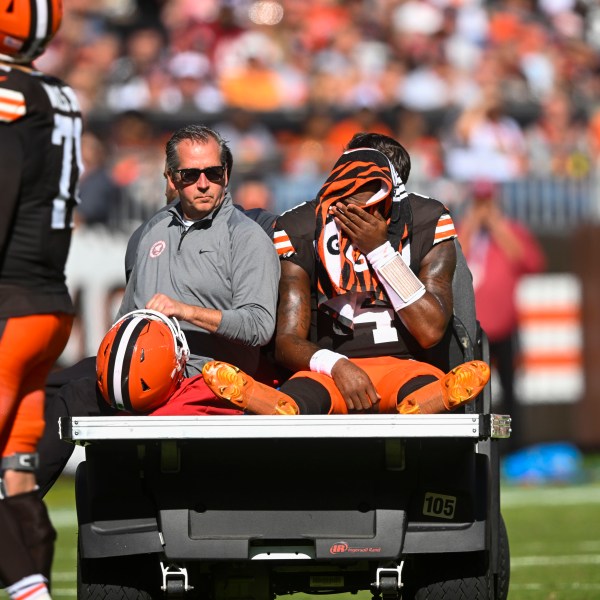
x=224, y=261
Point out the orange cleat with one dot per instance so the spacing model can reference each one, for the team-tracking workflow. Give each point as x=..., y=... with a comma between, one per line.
x=461, y=385
x=230, y=383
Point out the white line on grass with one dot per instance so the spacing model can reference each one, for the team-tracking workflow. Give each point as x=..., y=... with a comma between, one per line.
x=550, y=496
x=517, y=562
x=64, y=576
x=574, y=586
x=557, y=546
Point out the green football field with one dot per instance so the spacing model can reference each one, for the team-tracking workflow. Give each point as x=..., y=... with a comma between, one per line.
x=554, y=535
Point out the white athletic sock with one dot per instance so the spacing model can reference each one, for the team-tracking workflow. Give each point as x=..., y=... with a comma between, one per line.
x=32, y=587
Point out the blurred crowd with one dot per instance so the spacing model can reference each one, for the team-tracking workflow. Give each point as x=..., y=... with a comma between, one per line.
x=499, y=90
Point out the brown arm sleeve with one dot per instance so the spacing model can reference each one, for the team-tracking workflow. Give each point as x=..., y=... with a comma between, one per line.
x=11, y=164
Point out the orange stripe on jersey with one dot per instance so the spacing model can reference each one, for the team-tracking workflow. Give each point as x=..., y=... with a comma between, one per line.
x=10, y=116
x=12, y=105
x=282, y=243
x=11, y=101
x=5, y=116
x=444, y=230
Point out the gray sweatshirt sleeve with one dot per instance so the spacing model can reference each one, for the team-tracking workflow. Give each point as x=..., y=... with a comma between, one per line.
x=127, y=303
x=255, y=282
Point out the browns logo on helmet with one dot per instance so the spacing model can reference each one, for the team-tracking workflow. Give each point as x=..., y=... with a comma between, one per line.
x=26, y=27
x=141, y=361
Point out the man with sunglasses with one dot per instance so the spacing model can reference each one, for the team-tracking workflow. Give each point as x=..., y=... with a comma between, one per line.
x=263, y=217
x=203, y=261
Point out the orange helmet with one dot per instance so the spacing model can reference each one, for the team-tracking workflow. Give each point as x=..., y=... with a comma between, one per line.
x=26, y=27
x=141, y=361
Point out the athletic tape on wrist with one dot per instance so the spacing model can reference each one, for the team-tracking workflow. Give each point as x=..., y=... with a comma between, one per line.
x=380, y=255
x=322, y=361
x=402, y=280
x=403, y=287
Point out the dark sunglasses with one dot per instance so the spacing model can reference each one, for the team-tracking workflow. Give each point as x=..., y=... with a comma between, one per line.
x=189, y=176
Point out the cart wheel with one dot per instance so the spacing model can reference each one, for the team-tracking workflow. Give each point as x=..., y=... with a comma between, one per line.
x=459, y=578
x=98, y=591
x=468, y=588
x=115, y=579
x=503, y=576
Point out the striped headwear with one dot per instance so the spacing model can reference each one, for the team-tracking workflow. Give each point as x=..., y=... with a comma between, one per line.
x=342, y=269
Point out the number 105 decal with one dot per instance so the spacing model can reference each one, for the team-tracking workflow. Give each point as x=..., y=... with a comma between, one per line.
x=439, y=505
